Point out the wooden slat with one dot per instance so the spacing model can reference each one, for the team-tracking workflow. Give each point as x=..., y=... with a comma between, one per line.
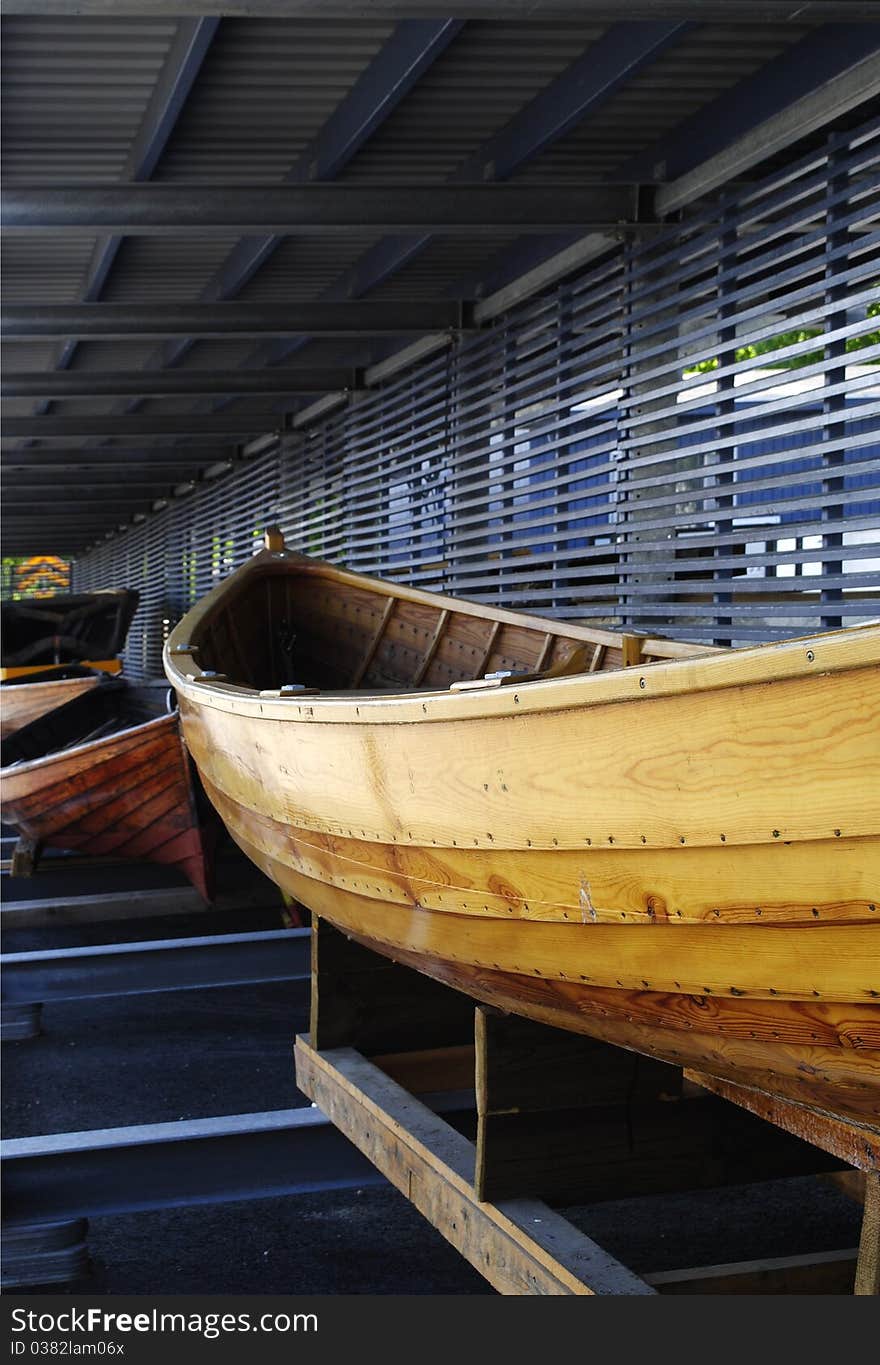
x=868, y=1268
x=490, y=645
x=390, y=603
x=433, y=645
x=520, y=1246
x=361, y=998
x=429, y=1069
x=856, y=1145
x=631, y=649
x=546, y=649
x=829, y=1272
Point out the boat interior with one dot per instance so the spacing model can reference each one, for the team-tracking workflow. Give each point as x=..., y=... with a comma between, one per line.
x=310, y=626
x=104, y=710
x=68, y=628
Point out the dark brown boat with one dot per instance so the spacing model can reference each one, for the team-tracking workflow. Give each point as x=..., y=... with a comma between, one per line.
x=40, y=632
x=107, y=774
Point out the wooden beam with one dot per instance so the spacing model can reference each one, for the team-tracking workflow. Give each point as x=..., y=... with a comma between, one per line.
x=364, y=1000
x=433, y=645
x=829, y=1272
x=553, y=1111
x=868, y=1267
x=631, y=650
x=851, y=1143
x=360, y=671
x=520, y=1246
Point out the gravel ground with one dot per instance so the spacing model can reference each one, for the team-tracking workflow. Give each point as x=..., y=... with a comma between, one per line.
x=200, y=1053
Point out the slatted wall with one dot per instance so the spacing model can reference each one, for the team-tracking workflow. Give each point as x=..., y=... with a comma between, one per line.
x=683, y=439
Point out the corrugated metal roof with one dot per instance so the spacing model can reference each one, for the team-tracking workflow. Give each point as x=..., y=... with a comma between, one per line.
x=76, y=92
x=266, y=88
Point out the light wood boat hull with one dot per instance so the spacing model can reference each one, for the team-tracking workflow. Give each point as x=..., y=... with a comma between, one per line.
x=129, y=795
x=21, y=703
x=682, y=859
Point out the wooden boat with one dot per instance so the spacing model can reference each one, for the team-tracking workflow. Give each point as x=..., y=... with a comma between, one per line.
x=671, y=849
x=42, y=633
x=41, y=691
x=107, y=773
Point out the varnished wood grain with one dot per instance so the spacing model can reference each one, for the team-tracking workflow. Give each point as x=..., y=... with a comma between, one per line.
x=129, y=794
x=852, y=1143
x=20, y=703
x=680, y=856
x=712, y=886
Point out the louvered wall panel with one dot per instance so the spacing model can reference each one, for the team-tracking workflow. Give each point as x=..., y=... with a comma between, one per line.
x=684, y=438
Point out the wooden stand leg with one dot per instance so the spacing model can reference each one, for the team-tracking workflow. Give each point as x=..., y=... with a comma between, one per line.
x=25, y=857
x=575, y=1120
x=868, y=1265
x=365, y=1001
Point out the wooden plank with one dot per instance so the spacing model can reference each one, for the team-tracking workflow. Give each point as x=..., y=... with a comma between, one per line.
x=524, y=1066
x=576, y=1120
x=390, y=604
x=554, y=1109
x=829, y=1272
x=856, y=1145
x=868, y=1267
x=489, y=646
x=598, y=658
x=520, y=1246
x=546, y=647
x=430, y=1069
x=361, y=998
x=850, y=1183
x=432, y=648
x=631, y=650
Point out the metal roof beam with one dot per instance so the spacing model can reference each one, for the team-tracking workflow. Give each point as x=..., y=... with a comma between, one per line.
x=815, y=79
x=338, y=319
x=69, y=505
x=590, y=80
x=138, y=478
x=449, y=210
x=409, y=52
x=114, y=457
x=726, y=11
x=172, y=383
x=186, y=424
x=178, y=75
x=818, y=109
x=804, y=70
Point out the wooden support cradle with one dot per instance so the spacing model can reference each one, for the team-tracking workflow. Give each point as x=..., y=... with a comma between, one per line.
x=558, y=1116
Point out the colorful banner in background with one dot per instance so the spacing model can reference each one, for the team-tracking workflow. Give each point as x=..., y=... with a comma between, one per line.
x=38, y=576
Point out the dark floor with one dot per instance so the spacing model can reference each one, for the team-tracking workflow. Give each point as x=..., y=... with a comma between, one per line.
x=200, y=1053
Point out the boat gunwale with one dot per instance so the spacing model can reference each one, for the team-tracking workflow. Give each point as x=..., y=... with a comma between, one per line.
x=852, y=648
x=96, y=745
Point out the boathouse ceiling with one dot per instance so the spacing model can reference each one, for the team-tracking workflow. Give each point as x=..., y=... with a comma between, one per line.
x=218, y=227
